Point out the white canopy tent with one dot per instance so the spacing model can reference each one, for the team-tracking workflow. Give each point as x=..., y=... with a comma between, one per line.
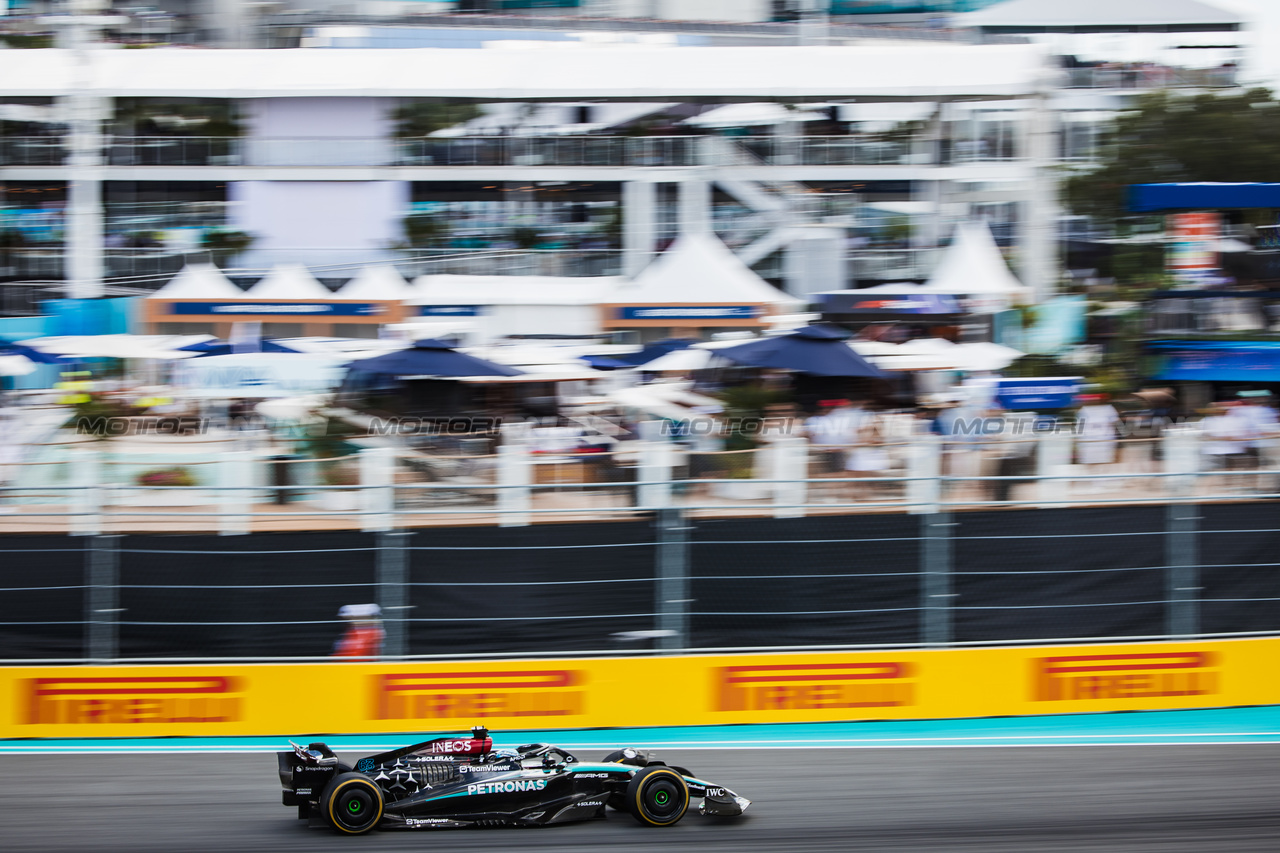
x=376, y=282
x=199, y=281
x=698, y=268
x=973, y=266
x=289, y=281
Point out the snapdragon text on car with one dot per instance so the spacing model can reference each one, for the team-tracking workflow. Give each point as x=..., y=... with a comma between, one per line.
x=461, y=781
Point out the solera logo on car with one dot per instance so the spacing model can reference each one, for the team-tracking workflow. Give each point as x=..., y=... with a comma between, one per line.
x=805, y=687
x=1133, y=676
x=162, y=700
x=469, y=696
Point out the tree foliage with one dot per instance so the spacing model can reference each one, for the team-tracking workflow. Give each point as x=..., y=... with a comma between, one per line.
x=1170, y=138
x=422, y=118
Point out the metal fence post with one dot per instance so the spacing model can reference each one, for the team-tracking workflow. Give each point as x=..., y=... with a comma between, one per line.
x=1182, y=557
x=235, y=469
x=924, y=472
x=787, y=458
x=672, y=593
x=656, y=461
x=1053, y=460
x=1182, y=544
x=85, y=501
x=935, y=578
x=392, y=575
x=377, y=498
x=102, y=598
x=515, y=475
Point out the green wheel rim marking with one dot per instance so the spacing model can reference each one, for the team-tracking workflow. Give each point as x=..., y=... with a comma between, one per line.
x=353, y=806
x=661, y=798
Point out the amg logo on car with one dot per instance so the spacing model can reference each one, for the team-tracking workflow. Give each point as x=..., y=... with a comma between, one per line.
x=167, y=699
x=469, y=696
x=507, y=787
x=1133, y=676
x=813, y=686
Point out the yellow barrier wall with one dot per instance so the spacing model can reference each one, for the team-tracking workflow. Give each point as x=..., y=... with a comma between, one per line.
x=302, y=699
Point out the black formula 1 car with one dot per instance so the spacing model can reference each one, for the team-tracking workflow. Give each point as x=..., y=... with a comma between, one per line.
x=463, y=781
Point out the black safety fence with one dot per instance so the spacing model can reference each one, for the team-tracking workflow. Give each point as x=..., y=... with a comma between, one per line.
x=663, y=582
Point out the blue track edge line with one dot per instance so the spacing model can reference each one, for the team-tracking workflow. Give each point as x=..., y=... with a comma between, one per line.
x=1255, y=724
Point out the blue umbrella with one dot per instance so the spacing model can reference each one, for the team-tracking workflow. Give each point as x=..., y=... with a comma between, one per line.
x=10, y=348
x=657, y=349
x=215, y=347
x=817, y=350
x=431, y=358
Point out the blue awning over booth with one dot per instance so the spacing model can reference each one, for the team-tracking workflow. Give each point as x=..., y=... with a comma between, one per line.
x=1151, y=198
x=1217, y=361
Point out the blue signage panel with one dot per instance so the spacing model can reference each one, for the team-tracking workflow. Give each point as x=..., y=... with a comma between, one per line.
x=449, y=310
x=688, y=312
x=300, y=309
x=1054, y=392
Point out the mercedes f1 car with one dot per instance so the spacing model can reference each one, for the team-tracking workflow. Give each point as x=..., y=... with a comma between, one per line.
x=463, y=781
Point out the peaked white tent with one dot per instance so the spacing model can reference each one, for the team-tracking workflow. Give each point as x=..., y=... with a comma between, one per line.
x=973, y=266
x=377, y=282
x=698, y=268
x=289, y=281
x=199, y=281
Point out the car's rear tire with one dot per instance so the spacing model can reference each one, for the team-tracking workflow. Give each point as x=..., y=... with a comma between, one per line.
x=352, y=804
x=657, y=796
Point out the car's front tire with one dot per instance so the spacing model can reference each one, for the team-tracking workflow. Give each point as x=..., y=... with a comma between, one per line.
x=351, y=803
x=657, y=796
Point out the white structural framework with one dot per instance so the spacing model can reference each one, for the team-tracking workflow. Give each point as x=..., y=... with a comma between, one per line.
x=340, y=175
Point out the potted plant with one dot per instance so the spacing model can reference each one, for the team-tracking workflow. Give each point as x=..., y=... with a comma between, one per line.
x=346, y=476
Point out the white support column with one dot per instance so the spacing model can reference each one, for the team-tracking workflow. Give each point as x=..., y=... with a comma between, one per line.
x=86, y=499
x=1181, y=446
x=1053, y=461
x=656, y=461
x=377, y=498
x=787, y=461
x=1038, y=220
x=924, y=473
x=695, y=205
x=236, y=470
x=639, y=227
x=515, y=476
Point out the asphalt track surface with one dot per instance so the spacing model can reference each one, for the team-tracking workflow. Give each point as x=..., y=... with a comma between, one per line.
x=1206, y=798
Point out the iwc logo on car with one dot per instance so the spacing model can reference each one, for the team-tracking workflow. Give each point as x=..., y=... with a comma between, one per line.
x=816, y=686
x=478, y=695
x=123, y=699
x=1131, y=676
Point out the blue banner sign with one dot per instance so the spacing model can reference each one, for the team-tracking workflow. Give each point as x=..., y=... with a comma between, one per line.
x=302, y=309
x=688, y=312
x=449, y=310
x=1056, y=392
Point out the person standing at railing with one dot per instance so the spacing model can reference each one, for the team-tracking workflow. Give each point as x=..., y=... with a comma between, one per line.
x=362, y=641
